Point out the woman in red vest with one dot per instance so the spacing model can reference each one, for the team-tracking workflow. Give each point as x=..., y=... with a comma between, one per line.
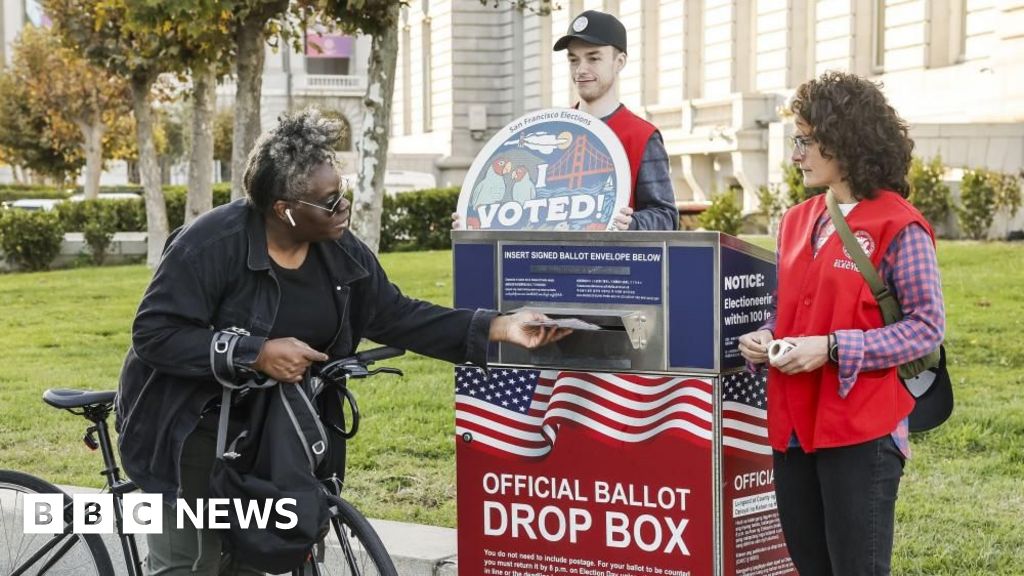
x=837, y=411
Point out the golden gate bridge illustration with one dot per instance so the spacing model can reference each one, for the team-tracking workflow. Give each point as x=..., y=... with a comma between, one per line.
x=578, y=162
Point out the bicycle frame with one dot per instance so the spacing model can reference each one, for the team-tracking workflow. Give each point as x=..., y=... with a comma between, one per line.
x=97, y=436
x=118, y=487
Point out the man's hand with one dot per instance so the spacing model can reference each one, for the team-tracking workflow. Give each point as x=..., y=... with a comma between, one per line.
x=754, y=346
x=457, y=223
x=512, y=329
x=623, y=219
x=286, y=359
x=811, y=353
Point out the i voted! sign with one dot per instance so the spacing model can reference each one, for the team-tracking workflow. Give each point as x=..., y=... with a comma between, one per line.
x=554, y=169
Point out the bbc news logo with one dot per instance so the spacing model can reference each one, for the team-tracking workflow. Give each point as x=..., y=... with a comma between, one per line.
x=94, y=513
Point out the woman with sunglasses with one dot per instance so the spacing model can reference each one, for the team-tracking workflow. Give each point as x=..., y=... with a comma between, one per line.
x=280, y=269
x=837, y=411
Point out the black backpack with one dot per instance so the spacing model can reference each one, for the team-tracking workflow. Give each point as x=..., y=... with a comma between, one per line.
x=274, y=457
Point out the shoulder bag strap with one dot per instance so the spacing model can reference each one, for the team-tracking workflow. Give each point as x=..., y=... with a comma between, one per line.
x=891, y=312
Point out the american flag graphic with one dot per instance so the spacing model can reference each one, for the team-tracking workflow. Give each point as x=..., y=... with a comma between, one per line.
x=744, y=414
x=519, y=411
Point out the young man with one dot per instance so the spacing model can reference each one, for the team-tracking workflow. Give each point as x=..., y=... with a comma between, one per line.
x=597, y=54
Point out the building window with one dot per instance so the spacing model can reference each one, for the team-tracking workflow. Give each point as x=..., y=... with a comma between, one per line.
x=426, y=49
x=328, y=54
x=959, y=32
x=878, y=29
x=651, y=38
x=327, y=66
x=406, y=80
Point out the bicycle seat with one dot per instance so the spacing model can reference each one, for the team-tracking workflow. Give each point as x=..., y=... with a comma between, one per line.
x=62, y=398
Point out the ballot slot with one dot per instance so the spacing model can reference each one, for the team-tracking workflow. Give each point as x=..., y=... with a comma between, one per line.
x=625, y=339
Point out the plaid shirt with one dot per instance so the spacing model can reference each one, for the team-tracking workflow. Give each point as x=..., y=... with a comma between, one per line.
x=911, y=271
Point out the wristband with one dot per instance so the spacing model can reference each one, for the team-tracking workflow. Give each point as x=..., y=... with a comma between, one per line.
x=833, y=348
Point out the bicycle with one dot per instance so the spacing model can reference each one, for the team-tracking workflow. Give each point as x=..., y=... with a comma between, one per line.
x=351, y=547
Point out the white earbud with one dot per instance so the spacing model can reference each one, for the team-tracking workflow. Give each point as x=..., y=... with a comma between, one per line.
x=288, y=213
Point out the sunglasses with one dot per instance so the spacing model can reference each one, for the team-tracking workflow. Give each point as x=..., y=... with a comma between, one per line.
x=330, y=204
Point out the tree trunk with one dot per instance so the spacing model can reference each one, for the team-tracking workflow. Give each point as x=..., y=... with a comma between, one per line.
x=200, y=163
x=92, y=146
x=149, y=171
x=249, y=79
x=373, y=146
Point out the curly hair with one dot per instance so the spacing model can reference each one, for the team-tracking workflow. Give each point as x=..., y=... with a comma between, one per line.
x=853, y=123
x=283, y=159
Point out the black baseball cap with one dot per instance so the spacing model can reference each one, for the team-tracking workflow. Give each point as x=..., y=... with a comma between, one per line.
x=596, y=28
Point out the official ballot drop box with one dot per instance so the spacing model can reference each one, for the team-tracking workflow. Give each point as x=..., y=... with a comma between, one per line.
x=638, y=448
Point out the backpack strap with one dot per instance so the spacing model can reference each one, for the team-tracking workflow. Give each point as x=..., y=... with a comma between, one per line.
x=222, y=357
x=891, y=311
x=306, y=421
x=222, y=363
x=222, y=423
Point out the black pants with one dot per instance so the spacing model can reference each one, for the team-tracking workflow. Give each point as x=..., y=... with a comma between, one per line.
x=837, y=507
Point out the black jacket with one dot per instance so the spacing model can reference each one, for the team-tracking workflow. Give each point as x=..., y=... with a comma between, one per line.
x=216, y=274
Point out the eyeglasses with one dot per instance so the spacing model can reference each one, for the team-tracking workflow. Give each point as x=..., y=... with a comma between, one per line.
x=800, y=144
x=330, y=205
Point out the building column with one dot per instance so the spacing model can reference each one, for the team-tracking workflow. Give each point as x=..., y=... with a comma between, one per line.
x=676, y=172
x=698, y=171
x=751, y=170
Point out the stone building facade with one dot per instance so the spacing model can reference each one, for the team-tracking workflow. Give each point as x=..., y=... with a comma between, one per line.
x=713, y=75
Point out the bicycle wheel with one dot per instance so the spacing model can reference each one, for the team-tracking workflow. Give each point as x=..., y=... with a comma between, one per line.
x=352, y=547
x=34, y=554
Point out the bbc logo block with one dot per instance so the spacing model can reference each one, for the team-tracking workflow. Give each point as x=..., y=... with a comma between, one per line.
x=43, y=514
x=92, y=514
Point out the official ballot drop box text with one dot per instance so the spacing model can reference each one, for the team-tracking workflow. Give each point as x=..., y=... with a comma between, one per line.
x=639, y=448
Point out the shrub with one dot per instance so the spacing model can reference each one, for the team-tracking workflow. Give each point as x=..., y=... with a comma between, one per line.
x=116, y=188
x=11, y=192
x=176, y=196
x=724, y=214
x=419, y=220
x=770, y=206
x=928, y=193
x=130, y=215
x=977, y=203
x=99, y=230
x=1008, y=193
x=983, y=194
x=126, y=215
x=30, y=239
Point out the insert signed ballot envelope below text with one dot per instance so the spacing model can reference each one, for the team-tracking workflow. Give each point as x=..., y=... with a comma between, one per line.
x=574, y=323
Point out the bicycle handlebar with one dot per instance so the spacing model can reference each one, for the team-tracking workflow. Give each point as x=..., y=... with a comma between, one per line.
x=337, y=373
x=356, y=366
x=382, y=353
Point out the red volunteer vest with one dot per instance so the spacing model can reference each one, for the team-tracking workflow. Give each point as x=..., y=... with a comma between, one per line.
x=634, y=132
x=818, y=295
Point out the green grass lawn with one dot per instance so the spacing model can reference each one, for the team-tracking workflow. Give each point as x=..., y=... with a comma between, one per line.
x=961, y=507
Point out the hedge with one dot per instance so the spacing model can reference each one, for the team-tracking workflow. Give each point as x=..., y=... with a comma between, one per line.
x=419, y=220
x=130, y=215
x=12, y=192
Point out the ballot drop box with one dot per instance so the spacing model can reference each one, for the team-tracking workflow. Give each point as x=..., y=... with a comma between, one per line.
x=638, y=444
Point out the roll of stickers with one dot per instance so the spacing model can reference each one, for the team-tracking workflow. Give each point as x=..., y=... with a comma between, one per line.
x=777, y=349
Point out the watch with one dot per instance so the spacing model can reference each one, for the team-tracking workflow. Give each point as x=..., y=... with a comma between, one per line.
x=833, y=348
